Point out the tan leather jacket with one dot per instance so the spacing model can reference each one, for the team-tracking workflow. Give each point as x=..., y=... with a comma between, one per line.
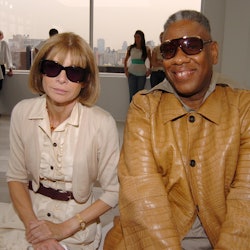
x=176, y=165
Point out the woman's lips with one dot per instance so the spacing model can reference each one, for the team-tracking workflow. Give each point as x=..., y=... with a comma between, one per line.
x=59, y=91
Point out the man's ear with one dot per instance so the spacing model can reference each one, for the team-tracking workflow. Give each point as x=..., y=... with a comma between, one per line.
x=215, y=52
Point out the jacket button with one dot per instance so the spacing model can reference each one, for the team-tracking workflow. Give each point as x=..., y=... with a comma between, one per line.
x=192, y=163
x=191, y=118
x=48, y=214
x=54, y=144
x=51, y=167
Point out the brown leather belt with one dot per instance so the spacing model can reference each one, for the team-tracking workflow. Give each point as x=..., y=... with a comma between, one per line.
x=53, y=193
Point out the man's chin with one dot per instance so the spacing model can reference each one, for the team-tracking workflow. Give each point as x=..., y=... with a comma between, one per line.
x=182, y=92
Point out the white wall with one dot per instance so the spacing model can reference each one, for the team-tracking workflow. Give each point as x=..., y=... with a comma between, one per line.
x=236, y=51
x=230, y=22
x=215, y=11
x=114, y=93
x=15, y=88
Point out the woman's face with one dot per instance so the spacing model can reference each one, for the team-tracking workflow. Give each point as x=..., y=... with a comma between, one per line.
x=60, y=89
x=137, y=39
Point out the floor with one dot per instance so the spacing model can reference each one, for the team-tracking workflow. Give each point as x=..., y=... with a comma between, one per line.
x=4, y=154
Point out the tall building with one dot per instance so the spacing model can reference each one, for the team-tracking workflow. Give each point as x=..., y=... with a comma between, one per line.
x=124, y=46
x=101, y=45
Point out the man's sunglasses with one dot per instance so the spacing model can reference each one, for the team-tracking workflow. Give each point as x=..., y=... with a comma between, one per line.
x=189, y=45
x=74, y=74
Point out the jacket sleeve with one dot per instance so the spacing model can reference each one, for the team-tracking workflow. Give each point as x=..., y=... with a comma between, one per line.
x=145, y=212
x=17, y=170
x=7, y=55
x=235, y=230
x=108, y=157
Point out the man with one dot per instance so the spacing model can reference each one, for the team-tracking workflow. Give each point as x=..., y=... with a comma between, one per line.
x=5, y=59
x=52, y=32
x=185, y=163
x=157, y=71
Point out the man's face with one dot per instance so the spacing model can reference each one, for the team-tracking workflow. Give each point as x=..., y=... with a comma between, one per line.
x=190, y=75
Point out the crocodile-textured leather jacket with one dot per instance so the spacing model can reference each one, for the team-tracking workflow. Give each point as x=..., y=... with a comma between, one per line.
x=177, y=164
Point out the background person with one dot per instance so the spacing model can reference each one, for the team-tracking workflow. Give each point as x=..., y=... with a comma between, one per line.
x=157, y=70
x=184, y=169
x=60, y=145
x=5, y=59
x=137, y=70
x=52, y=32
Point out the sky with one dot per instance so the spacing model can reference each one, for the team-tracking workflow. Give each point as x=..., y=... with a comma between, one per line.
x=114, y=20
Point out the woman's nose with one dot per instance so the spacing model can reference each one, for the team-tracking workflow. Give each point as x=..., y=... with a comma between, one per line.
x=62, y=77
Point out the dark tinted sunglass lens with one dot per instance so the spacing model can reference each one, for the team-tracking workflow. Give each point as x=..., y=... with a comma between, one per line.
x=51, y=68
x=168, y=49
x=75, y=74
x=192, y=45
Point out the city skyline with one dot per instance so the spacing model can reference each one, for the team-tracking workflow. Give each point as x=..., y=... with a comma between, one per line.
x=115, y=21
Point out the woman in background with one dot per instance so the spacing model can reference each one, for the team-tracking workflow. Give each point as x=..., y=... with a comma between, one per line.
x=5, y=59
x=60, y=145
x=137, y=71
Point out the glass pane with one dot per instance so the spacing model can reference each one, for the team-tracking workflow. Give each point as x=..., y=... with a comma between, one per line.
x=115, y=22
x=26, y=22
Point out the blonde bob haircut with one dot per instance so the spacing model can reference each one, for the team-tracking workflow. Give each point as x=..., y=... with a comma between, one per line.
x=81, y=55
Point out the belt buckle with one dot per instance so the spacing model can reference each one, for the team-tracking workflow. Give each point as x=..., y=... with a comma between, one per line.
x=69, y=196
x=65, y=196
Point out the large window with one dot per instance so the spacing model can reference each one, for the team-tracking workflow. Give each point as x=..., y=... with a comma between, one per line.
x=115, y=22
x=26, y=22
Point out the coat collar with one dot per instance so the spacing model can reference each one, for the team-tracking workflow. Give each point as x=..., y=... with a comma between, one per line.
x=39, y=112
x=211, y=108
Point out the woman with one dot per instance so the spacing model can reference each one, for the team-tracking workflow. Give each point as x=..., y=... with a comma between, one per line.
x=60, y=145
x=137, y=71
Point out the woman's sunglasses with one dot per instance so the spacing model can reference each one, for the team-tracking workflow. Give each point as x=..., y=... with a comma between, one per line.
x=74, y=74
x=189, y=45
